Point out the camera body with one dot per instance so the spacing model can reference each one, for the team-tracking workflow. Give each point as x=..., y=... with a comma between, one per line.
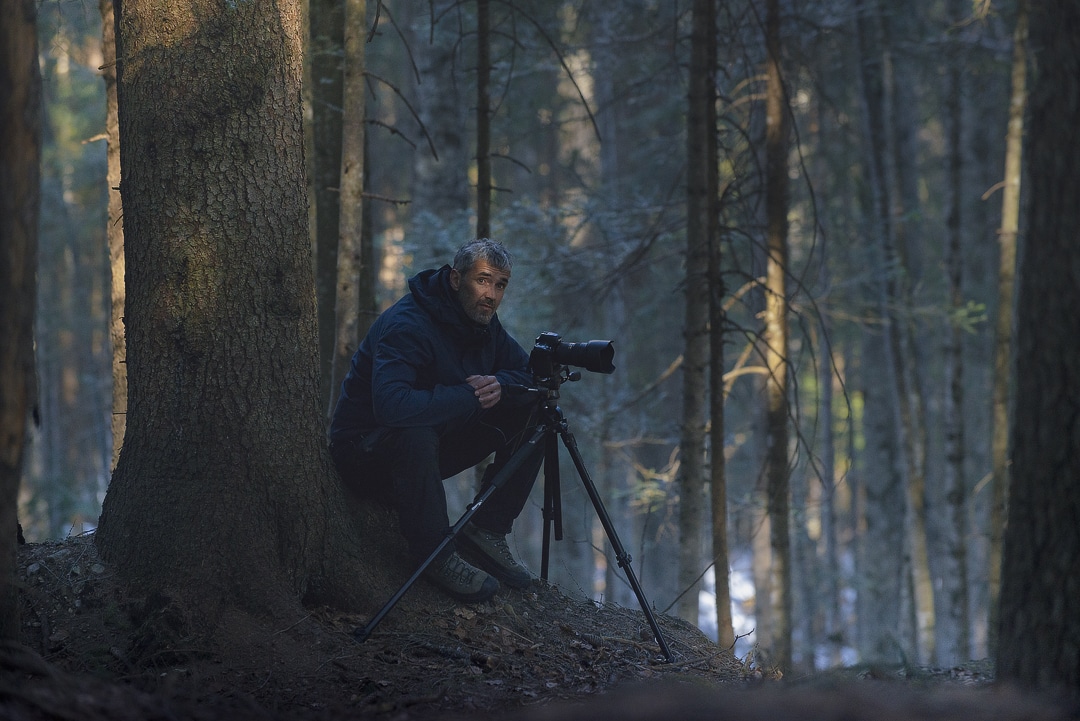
x=550, y=353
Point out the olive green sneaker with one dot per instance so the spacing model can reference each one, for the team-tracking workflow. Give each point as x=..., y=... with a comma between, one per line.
x=489, y=551
x=460, y=579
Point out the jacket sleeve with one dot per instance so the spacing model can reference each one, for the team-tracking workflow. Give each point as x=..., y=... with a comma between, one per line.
x=512, y=363
x=398, y=396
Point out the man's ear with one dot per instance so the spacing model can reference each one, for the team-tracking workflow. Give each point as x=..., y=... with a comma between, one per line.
x=455, y=279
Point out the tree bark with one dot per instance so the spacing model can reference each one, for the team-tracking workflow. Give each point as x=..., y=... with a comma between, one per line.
x=777, y=471
x=20, y=199
x=327, y=49
x=1003, y=329
x=223, y=494
x=704, y=211
x=114, y=232
x=1040, y=629
x=699, y=204
x=354, y=309
x=954, y=631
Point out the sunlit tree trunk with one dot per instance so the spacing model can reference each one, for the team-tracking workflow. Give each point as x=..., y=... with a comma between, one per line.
x=114, y=232
x=20, y=157
x=1040, y=628
x=354, y=309
x=777, y=471
x=1003, y=330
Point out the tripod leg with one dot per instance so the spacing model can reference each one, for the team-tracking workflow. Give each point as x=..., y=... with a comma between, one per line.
x=524, y=453
x=621, y=555
x=552, y=501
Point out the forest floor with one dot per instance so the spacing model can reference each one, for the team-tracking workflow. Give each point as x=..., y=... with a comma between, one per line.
x=91, y=652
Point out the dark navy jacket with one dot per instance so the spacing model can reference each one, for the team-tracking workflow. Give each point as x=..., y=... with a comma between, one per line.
x=410, y=369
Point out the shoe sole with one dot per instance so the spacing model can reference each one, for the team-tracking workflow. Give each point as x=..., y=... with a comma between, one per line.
x=487, y=591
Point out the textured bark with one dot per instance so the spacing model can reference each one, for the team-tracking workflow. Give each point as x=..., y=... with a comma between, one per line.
x=1039, y=642
x=20, y=156
x=696, y=331
x=354, y=308
x=326, y=49
x=223, y=493
x=114, y=232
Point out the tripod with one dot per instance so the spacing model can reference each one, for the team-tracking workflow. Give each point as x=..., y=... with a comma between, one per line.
x=551, y=427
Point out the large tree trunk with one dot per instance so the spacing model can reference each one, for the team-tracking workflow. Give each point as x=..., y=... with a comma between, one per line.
x=114, y=232
x=1040, y=629
x=20, y=156
x=1003, y=330
x=223, y=493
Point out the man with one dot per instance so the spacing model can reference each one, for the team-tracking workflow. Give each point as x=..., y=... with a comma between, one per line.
x=426, y=398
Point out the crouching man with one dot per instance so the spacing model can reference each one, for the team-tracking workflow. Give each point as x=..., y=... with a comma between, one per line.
x=425, y=399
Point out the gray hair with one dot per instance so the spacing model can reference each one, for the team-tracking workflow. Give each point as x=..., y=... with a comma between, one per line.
x=485, y=249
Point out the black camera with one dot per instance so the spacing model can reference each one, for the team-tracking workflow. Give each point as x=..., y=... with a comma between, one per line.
x=551, y=351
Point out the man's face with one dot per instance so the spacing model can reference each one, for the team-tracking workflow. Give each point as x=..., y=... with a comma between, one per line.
x=480, y=290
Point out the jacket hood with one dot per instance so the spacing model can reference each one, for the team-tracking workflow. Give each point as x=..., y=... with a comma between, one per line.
x=432, y=291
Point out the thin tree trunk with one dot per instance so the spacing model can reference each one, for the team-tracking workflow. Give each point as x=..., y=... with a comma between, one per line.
x=350, y=309
x=956, y=633
x=20, y=157
x=483, y=119
x=777, y=470
x=1003, y=331
x=876, y=78
x=696, y=333
x=880, y=525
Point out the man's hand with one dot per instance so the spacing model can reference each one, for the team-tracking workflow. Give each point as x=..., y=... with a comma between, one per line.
x=487, y=389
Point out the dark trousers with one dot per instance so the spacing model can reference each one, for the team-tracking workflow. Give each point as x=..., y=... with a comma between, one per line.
x=406, y=467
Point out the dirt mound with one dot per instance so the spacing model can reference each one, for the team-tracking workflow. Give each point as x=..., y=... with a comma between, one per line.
x=95, y=648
